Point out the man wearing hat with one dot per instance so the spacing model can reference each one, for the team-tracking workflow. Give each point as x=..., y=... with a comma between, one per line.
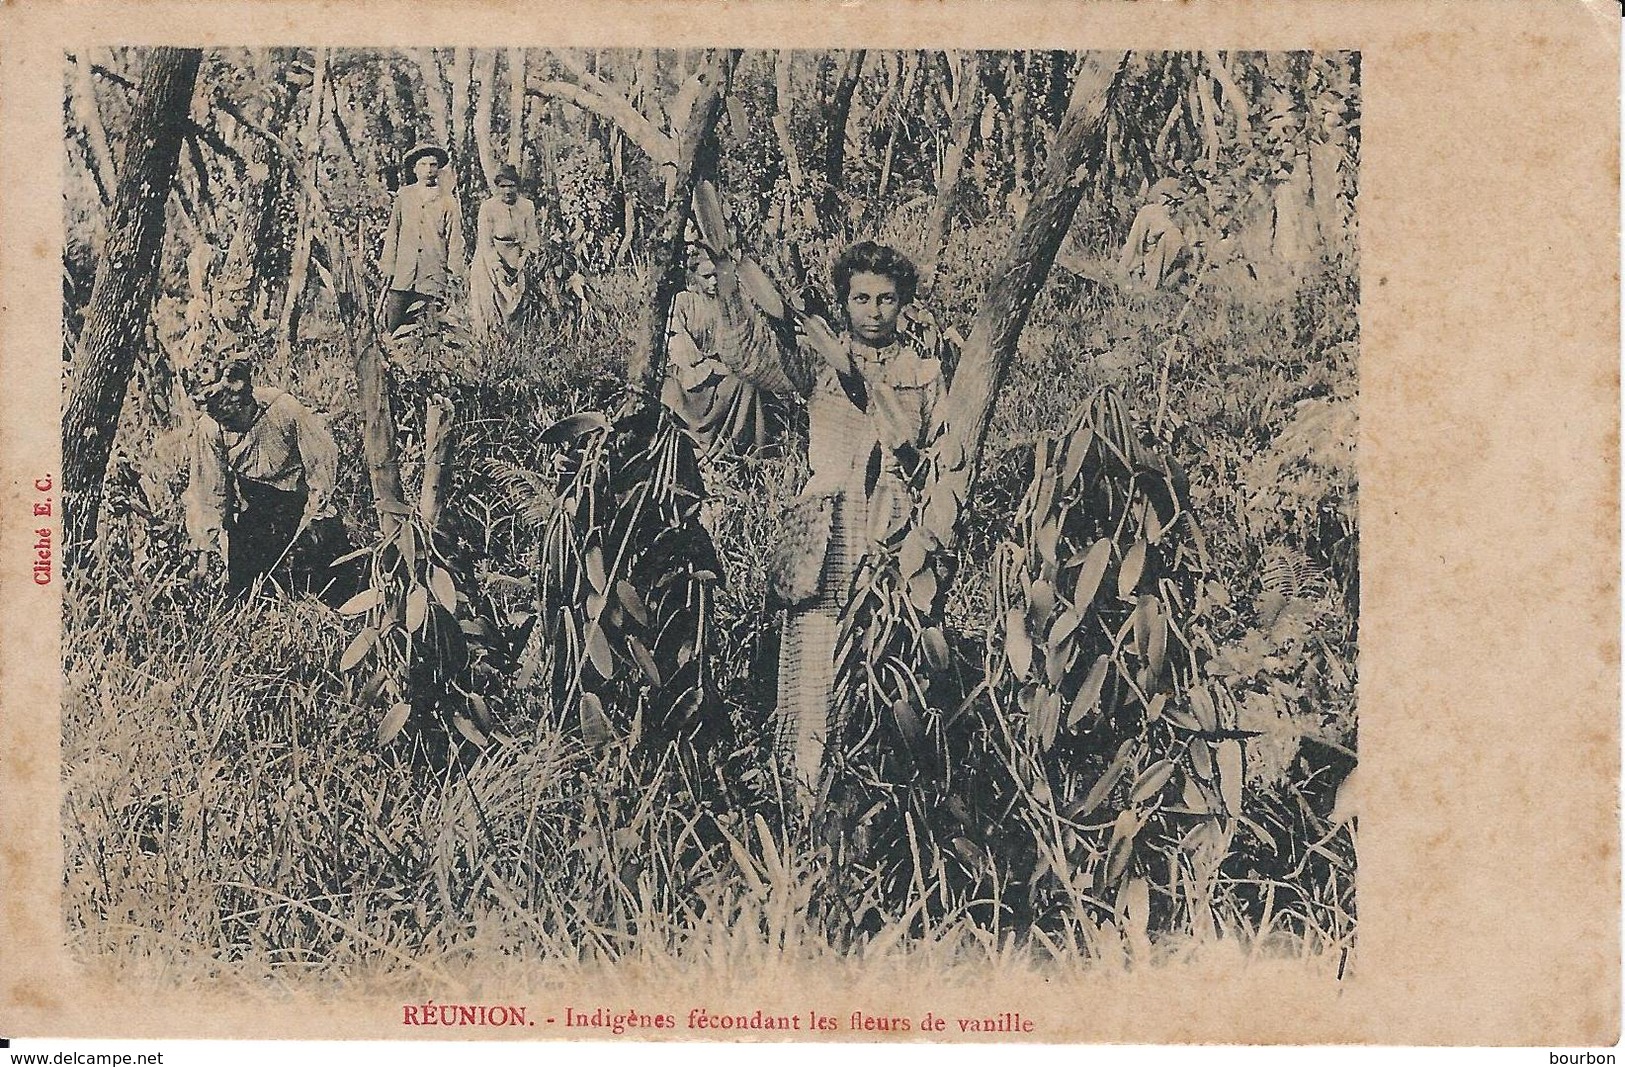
x=263, y=469
x=423, y=246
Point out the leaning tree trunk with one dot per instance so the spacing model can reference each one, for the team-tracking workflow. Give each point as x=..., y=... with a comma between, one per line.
x=299, y=278
x=696, y=154
x=966, y=108
x=985, y=361
x=126, y=282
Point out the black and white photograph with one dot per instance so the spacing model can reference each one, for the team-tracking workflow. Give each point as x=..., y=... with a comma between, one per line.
x=753, y=543
x=588, y=505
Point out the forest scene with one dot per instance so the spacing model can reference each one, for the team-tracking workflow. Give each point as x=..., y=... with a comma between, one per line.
x=603, y=664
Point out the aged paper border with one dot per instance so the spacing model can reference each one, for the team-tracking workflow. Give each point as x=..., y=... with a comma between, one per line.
x=1489, y=886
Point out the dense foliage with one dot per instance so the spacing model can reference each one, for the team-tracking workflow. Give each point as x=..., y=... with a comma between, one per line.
x=1118, y=709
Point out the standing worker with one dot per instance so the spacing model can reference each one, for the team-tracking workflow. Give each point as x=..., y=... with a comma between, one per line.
x=504, y=241
x=424, y=249
x=723, y=411
x=873, y=378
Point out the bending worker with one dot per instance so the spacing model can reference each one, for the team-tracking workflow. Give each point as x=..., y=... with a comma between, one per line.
x=263, y=468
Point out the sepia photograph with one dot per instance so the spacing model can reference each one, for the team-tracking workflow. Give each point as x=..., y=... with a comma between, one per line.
x=564, y=533
x=581, y=505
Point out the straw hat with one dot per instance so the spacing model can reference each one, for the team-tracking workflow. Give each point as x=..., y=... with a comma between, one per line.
x=441, y=156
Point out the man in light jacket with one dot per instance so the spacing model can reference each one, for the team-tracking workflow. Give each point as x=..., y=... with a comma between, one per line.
x=424, y=251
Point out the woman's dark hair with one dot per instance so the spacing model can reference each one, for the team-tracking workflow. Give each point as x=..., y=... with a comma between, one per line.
x=866, y=257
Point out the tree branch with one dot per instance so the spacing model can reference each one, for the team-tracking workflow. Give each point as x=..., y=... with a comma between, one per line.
x=189, y=126
x=1232, y=94
x=113, y=76
x=618, y=110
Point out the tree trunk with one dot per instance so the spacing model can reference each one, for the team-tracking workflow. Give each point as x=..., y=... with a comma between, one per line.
x=434, y=92
x=1021, y=146
x=485, y=72
x=911, y=67
x=1057, y=90
x=462, y=105
x=516, y=108
x=1209, y=111
x=1326, y=159
x=1291, y=236
x=288, y=325
x=840, y=111
x=966, y=108
x=783, y=103
x=696, y=156
x=1232, y=94
x=126, y=282
x=341, y=106
x=88, y=114
x=949, y=82
x=645, y=93
x=985, y=362
x=398, y=118
x=1160, y=147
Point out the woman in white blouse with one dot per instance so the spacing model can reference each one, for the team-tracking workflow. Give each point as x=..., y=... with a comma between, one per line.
x=506, y=238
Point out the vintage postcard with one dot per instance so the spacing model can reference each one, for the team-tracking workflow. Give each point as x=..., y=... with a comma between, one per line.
x=956, y=522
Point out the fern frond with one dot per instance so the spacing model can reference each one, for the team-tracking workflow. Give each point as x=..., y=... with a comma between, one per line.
x=530, y=492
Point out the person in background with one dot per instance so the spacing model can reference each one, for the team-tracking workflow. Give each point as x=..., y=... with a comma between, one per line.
x=721, y=410
x=1154, y=247
x=259, y=499
x=504, y=240
x=424, y=251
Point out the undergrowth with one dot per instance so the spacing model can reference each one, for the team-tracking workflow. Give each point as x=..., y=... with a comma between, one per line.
x=227, y=807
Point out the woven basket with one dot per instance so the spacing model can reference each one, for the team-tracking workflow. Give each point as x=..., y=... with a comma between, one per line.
x=795, y=564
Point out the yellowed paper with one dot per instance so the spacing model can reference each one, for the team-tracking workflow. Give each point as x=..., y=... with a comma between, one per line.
x=1488, y=696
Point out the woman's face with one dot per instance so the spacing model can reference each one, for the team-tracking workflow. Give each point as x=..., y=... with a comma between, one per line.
x=872, y=307
x=703, y=278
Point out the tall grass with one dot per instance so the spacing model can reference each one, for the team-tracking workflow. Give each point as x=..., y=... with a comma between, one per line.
x=227, y=811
